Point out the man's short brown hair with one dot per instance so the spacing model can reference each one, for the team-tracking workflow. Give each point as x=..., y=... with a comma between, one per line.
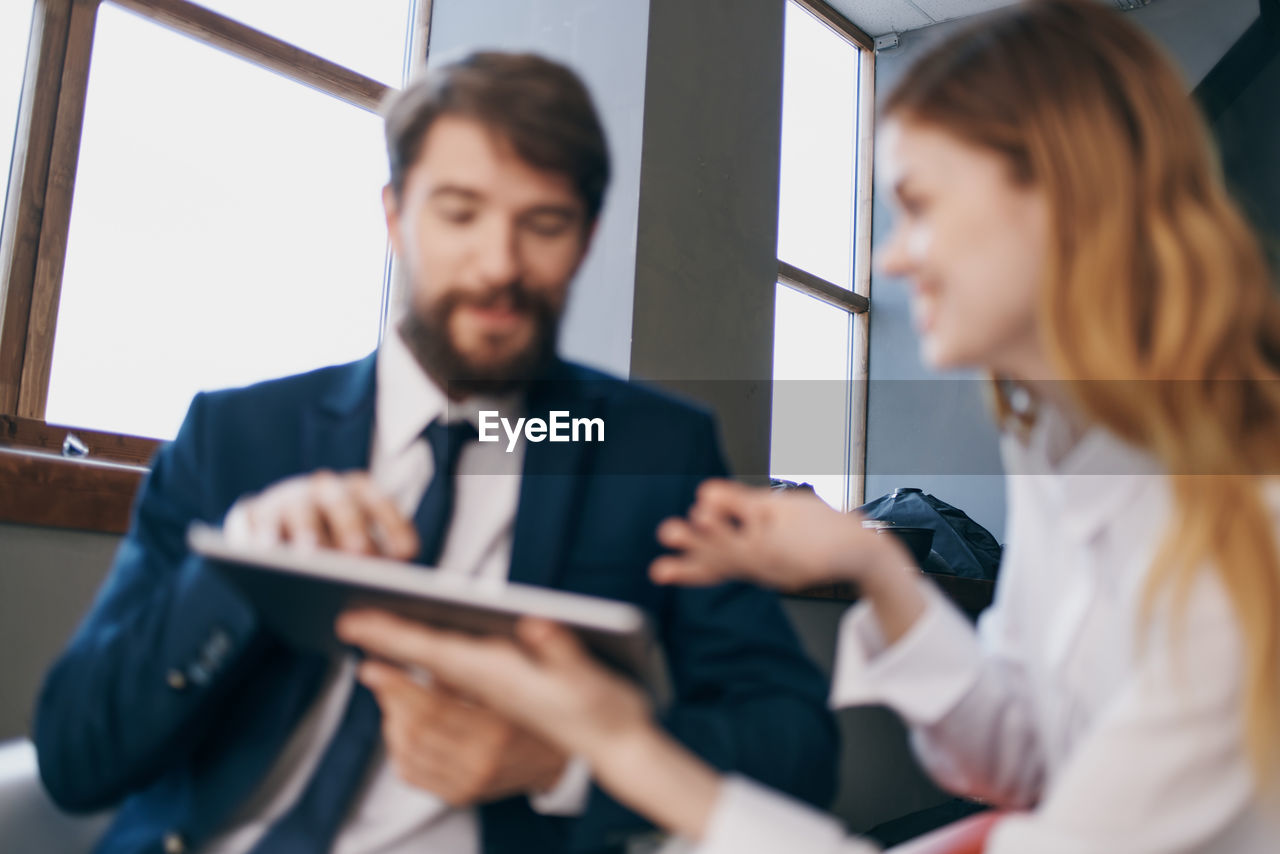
x=541, y=107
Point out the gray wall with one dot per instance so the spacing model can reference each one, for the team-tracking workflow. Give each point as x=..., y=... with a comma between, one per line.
x=706, y=262
x=47, y=580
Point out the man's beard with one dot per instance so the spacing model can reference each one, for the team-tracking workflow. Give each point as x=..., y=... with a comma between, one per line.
x=427, y=335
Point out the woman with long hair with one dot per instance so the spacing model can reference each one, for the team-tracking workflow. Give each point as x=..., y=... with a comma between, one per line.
x=1063, y=225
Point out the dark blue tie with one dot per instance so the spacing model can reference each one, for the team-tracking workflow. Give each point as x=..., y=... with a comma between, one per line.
x=310, y=824
x=436, y=508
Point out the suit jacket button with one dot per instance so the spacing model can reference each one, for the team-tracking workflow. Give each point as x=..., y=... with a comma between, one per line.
x=178, y=682
x=174, y=843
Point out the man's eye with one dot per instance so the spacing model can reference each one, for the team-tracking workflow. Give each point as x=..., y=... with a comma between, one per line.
x=458, y=216
x=547, y=226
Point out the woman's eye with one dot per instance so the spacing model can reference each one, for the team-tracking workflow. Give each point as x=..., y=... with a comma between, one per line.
x=912, y=205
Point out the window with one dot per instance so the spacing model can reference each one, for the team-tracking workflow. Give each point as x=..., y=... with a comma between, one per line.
x=15, y=25
x=820, y=340
x=211, y=208
x=193, y=201
x=363, y=35
x=233, y=236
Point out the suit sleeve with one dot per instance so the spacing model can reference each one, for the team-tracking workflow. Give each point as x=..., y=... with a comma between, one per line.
x=746, y=696
x=149, y=664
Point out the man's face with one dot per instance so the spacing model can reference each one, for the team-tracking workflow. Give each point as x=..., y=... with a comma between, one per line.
x=489, y=244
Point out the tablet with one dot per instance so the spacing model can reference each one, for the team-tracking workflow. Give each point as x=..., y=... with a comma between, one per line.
x=299, y=593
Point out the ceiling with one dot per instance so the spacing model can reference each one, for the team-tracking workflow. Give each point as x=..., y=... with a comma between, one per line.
x=877, y=17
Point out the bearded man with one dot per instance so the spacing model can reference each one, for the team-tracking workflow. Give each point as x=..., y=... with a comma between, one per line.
x=174, y=702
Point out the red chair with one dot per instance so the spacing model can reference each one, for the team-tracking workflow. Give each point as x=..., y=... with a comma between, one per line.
x=967, y=836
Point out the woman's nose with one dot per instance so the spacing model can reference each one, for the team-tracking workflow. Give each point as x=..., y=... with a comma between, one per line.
x=890, y=257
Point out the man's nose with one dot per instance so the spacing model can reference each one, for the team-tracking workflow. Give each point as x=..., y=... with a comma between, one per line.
x=498, y=254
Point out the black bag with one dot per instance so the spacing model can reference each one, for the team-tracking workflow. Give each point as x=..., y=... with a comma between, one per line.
x=962, y=546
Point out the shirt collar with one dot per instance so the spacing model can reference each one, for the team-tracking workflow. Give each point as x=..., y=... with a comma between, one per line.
x=1094, y=481
x=408, y=399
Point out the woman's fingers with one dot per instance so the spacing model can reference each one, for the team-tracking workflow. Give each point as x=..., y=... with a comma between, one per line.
x=552, y=645
x=675, y=533
x=726, y=497
x=407, y=642
x=687, y=572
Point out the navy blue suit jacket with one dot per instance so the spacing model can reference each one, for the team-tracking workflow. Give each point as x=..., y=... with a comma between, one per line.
x=173, y=702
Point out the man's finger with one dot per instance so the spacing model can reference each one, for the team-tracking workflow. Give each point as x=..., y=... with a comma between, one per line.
x=343, y=513
x=394, y=535
x=436, y=716
x=299, y=524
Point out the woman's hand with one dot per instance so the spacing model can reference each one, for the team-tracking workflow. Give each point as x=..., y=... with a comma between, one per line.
x=545, y=681
x=787, y=541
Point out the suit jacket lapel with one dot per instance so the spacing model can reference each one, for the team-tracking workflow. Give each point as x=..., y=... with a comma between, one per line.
x=338, y=431
x=552, y=482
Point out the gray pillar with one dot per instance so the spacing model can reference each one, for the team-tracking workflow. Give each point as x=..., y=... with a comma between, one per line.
x=706, y=248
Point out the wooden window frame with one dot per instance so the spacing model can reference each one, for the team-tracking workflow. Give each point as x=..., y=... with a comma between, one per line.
x=970, y=595
x=37, y=484
x=856, y=301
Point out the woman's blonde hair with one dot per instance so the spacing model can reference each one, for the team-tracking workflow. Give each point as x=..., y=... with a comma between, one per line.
x=1157, y=307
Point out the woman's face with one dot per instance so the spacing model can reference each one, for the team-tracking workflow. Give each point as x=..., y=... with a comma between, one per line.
x=972, y=245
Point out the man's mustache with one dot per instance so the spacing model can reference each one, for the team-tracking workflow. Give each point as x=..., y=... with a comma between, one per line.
x=513, y=297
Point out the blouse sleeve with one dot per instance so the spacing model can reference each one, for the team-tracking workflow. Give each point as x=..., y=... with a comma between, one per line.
x=965, y=695
x=1165, y=768
x=751, y=819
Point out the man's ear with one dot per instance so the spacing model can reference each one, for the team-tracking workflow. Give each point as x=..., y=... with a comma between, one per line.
x=391, y=209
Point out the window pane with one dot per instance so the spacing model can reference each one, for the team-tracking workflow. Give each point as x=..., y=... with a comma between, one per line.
x=811, y=359
x=367, y=36
x=226, y=228
x=819, y=147
x=15, y=24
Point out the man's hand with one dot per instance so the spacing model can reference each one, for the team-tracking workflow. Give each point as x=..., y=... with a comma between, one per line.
x=325, y=509
x=462, y=752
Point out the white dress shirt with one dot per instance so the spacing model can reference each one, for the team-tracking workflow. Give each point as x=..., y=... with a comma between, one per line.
x=390, y=816
x=1113, y=736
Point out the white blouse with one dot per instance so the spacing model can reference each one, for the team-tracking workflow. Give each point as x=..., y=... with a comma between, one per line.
x=1056, y=704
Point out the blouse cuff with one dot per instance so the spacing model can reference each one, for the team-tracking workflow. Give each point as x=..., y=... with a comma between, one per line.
x=1019, y=833
x=751, y=818
x=923, y=676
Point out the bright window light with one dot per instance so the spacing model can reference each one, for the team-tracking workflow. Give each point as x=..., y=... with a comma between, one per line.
x=226, y=228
